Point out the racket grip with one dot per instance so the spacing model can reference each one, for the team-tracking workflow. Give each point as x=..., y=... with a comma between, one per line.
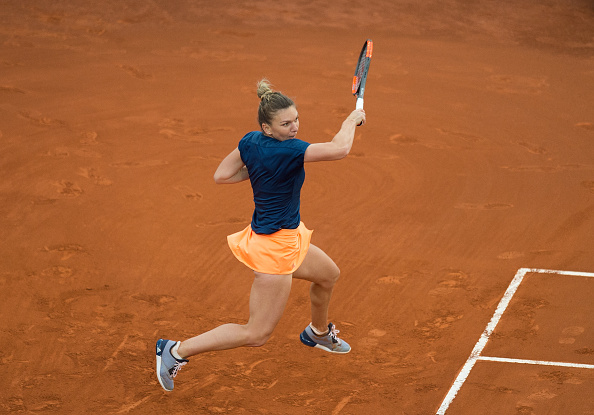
x=359, y=104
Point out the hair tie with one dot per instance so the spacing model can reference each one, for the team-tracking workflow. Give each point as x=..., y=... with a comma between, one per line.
x=266, y=95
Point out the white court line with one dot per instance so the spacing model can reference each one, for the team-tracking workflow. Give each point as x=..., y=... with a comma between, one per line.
x=536, y=362
x=480, y=345
x=551, y=271
x=482, y=342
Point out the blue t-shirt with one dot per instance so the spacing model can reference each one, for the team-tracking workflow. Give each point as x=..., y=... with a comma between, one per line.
x=276, y=174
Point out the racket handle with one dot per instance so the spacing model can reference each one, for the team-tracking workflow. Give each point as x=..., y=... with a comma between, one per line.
x=359, y=104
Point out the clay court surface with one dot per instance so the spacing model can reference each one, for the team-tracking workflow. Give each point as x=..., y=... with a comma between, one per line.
x=477, y=160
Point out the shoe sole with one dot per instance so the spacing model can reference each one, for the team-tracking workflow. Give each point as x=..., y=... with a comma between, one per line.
x=159, y=372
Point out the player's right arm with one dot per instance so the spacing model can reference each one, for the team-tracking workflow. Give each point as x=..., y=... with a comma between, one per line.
x=231, y=169
x=341, y=144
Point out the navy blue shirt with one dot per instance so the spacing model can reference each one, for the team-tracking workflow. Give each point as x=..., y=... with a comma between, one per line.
x=276, y=174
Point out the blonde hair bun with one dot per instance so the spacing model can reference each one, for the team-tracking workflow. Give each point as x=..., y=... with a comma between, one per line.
x=264, y=88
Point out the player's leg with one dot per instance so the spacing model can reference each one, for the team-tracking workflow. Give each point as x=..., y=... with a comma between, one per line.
x=322, y=272
x=268, y=297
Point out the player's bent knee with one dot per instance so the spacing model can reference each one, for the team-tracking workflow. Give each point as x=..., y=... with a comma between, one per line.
x=333, y=275
x=336, y=273
x=258, y=341
x=259, y=338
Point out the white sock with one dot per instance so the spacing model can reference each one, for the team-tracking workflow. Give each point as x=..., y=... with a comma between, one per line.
x=174, y=351
x=316, y=332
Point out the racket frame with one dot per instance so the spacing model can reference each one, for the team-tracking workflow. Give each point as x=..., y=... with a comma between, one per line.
x=360, y=77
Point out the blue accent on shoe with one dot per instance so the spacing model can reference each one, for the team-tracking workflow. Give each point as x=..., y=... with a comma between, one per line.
x=160, y=346
x=306, y=340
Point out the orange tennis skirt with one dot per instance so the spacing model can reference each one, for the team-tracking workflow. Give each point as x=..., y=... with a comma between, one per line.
x=279, y=253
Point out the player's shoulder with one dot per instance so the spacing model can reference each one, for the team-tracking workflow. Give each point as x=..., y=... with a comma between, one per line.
x=296, y=143
x=258, y=139
x=252, y=136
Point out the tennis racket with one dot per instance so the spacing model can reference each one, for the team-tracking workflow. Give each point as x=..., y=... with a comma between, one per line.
x=361, y=72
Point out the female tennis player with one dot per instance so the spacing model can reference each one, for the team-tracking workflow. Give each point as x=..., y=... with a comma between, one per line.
x=276, y=245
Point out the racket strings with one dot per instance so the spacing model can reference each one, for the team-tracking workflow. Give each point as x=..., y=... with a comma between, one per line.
x=359, y=75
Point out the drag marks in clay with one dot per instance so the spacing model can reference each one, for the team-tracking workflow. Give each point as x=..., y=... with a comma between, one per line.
x=520, y=254
x=343, y=402
x=229, y=221
x=525, y=325
x=514, y=84
x=68, y=189
x=191, y=137
x=11, y=89
x=372, y=339
x=17, y=41
x=137, y=164
x=63, y=275
x=233, y=53
x=89, y=138
x=66, y=250
x=124, y=409
x=461, y=138
x=454, y=280
x=532, y=148
x=467, y=137
x=390, y=279
x=233, y=33
x=431, y=329
x=588, y=126
x=397, y=279
x=155, y=300
x=241, y=378
x=511, y=255
x=570, y=333
x=176, y=129
x=547, y=168
x=49, y=403
x=58, y=152
x=92, y=174
x=403, y=139
x=188, y=193
x=42, y=201
x=135, y=72
x=41, y=121
x=484, y=206
x=88, y=24
x=226, y=55
x=559, y=377
x=63, y=152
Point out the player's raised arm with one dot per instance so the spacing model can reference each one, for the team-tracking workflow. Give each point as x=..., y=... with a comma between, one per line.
x=341, y=144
